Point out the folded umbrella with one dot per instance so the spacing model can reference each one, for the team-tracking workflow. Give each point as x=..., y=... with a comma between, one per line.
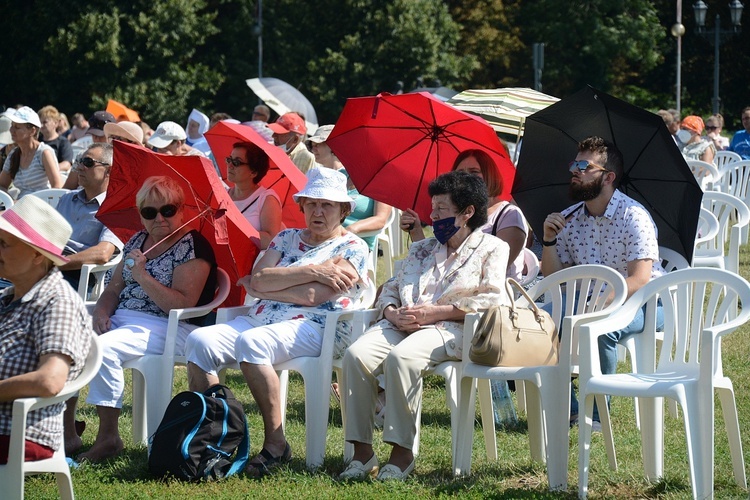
x=209, y=206
x=655, y=173
x=283, y=176
x=393, y=146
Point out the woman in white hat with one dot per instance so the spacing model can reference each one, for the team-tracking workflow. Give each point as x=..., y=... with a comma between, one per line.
x=45, y=331
x=32, y=166
x=304, y=274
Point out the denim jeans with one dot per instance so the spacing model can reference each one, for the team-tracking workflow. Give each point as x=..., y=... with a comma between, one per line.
x=608, y=347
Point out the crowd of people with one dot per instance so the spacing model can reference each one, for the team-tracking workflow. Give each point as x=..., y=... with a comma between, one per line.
x=303, y=273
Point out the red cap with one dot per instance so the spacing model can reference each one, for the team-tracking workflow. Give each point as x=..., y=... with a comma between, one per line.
x=289, y=122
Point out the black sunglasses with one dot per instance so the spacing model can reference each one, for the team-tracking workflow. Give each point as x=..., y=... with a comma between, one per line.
x=711, y=127
x=90, y=162
x=167, y=211
x=235, y=162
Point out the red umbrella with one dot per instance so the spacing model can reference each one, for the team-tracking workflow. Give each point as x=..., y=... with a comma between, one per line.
x=213, y=212
x=283, y=176
x=394, y=145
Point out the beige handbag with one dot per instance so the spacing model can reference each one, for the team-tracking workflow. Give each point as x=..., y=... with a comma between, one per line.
x=515, y=336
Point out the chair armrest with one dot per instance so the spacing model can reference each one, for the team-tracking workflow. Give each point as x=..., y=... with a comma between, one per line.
x=226, y=314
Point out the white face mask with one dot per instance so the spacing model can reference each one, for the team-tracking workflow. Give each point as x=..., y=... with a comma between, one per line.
x=683, y=135
x=285, y=147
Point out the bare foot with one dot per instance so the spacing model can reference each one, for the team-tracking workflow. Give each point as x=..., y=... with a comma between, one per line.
x=72, y=445
x=102, y=450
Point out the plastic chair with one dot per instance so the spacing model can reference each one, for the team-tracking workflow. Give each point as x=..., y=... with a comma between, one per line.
x=705, y=173
x=697, y=304
x=547, y=387
x=316, y=373
x=6, y=200
x=383, y=236
x=711, y=253
x=99, y=271
x=530, y=267
x=51, y=195
x=12, y=474
x=153, y=374
x=723, y=160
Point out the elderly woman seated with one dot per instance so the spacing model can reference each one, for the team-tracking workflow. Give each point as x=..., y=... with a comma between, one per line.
x=422, y=309
x=165, y=267
x=45, y=331
x=304, y=274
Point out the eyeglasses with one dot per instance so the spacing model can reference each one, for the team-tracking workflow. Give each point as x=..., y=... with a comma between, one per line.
x=123, y=139
x=235, y=162
x=711, y=127
x=583, y=166
x=167, y=211
x=90, y=162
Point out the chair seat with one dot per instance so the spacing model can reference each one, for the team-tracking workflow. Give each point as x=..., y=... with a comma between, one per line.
x=662, y=384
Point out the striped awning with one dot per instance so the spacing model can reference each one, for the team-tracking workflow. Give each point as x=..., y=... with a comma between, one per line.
x=505, y=109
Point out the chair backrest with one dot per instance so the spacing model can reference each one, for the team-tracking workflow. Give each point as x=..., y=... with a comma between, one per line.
x=725, y=206
x=708, y=227
x=6, y=200
x=736, y=178
x=722, y=160
x=672, y=260
x=578, y=290
x=99, y=271
x=51, y=195
x=705, y=173
x=530, y=266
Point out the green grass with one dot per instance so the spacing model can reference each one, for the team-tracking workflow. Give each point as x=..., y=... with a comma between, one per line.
x=514, y=475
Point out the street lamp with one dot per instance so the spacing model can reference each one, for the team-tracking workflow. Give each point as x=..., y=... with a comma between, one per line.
x=735, y=11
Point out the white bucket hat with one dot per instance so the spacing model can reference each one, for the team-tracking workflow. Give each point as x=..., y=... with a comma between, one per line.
x=24, y=114
x=39, y=225
x=326, y=184
x=165, y=133
x=321, y=134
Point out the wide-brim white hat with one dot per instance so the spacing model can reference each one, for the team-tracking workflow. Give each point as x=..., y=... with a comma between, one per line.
x=326, y=184
x=128, y=130
x=39, y=225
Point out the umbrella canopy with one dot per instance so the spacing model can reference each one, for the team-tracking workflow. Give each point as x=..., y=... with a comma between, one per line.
x=442, y=93
x=283, y=98
x=506, y=109
x=231, y=236
x=122, y=112
x=283, y=176
x=655, y=173
x=394, y=145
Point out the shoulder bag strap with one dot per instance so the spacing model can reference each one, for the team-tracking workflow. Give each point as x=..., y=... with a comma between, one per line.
x=497, y=220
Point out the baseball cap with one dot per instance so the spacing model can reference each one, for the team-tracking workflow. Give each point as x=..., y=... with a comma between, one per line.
x=97, y=121
x=24, y=114
x=165, y=133
x=289, y=122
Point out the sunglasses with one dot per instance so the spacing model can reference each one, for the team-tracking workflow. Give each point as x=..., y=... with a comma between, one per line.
x=167, y=211
x=711, y=127
x=90, y=162
x=583, y=166
x=235, y=162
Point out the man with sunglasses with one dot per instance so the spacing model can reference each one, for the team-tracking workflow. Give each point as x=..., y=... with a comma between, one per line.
x=604, y=227
x=91, y=241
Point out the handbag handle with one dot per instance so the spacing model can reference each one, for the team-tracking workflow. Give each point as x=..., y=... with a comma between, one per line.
x=532, y=304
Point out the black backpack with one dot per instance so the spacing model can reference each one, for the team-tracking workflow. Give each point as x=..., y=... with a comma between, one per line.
x=198, y=436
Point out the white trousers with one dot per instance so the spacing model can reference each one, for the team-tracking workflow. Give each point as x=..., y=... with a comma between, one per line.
x=240, y=341
x=133, y=335
x=403, y=360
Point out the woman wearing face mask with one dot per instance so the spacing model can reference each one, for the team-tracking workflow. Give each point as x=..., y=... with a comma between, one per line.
x=695, y=148
x=422, y=310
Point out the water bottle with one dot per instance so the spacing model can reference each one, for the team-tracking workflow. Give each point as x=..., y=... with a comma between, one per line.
x=502, y=404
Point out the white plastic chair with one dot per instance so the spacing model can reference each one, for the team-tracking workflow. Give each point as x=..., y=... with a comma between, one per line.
x=547, y=387
x=697, y=304
x=449, y=370
x=153, y=374
x=530, y=267
x=12, y=474
x=711, y=253
x=51, y=195
x=723, y=160
x=99, y=271
x=6, y=200
x=316, y=373
x=383, y=236
x=705, y=173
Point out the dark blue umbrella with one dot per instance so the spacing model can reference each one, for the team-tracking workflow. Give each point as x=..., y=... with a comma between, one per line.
x=655, y=173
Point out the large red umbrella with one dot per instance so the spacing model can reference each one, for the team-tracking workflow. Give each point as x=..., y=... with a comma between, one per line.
x=215, y=215
x=283, y=176
x=394, y=145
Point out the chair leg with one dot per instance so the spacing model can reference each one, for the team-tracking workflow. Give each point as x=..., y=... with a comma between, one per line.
x=140, y=407
x=484, y=392
x=317, y=405
x=284, y=393
x=465, y=437
x=698, y=415
x=537, y=438
x=652, y=437
x=521, y=395
x=556, y=408
x=584, y=441
x=609, y=443
x=732, y=425
x=64, y=485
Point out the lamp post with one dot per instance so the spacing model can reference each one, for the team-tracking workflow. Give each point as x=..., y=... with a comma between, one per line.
x=678, y=31
x=735, y=12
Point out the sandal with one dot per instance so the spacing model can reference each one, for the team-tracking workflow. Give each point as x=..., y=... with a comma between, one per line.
x=264, y=464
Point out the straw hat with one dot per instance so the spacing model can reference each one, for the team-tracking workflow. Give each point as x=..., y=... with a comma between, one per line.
x=325, y=184
x=39, y=225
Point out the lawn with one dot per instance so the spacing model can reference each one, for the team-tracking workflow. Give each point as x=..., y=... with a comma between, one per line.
x=514, y=475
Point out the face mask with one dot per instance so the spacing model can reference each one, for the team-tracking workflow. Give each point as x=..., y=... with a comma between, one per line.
x=285, y=147
x=683, y=135
x=444, y=229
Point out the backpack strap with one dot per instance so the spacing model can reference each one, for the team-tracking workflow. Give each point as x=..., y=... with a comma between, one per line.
x=243, y=452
